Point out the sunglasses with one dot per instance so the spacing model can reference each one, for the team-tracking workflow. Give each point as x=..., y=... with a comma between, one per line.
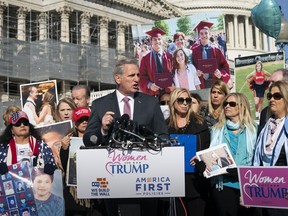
x=181, y=100
x=231, y=104
x=164, y=102
x=18, y=124
x=276, y=96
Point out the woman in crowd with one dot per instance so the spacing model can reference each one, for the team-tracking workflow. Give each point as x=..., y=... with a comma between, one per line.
x=218, y=91
x=184, y=75
x=183, y=121
x=7, y=114
x=47, y=203
x=64, y=110
x=237, y=129
x=272, y=143
x=196, y=102
x=179, y=40
x=257, y=81
x=20, y=141
x=47, y=110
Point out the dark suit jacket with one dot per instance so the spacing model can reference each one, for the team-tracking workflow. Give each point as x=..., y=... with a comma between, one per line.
x=146, y=112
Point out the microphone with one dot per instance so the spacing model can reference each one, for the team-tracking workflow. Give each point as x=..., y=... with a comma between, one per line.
x=93, y=139
x=144, y=131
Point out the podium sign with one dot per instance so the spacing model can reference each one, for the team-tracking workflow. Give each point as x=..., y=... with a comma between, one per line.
x=130, y=174
x=264, y=186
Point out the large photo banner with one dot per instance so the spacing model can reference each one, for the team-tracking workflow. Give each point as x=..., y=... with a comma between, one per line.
x=252, y=77
x=130, y=174
x=264, y=186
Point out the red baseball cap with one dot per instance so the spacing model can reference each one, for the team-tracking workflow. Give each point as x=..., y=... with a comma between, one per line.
x=203, y=25
x=80, y=112
x=16, y=116
x=155, y=32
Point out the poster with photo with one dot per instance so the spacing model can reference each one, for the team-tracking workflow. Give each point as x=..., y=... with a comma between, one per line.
x=16, y=194
x=39, y=101
x=53, y=134
x=186, y=33
x=217, y=160
x=71, y=173
x=252, y=77
x=48, y=192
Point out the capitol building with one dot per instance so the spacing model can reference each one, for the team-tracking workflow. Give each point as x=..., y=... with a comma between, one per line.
x=79, y=41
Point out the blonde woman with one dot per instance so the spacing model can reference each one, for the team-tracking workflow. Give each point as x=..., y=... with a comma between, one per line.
x=237, y=129
x=218, y=92
x=183, y=120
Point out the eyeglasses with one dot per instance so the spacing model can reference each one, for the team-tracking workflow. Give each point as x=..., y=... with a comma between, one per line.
x=164, y=102
x=231, y=103
x=181, y=100
x=18, y=124
x=276, y=96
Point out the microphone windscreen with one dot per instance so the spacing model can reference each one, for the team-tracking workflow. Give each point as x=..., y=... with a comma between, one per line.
x=93, y=139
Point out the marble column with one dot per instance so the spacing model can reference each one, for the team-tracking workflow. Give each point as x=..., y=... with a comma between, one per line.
x=265, y=42
x=241, y=34
x=273, y=47
x=247, y=33
x=43, y=17
x=21, y=23
x=85, y=27
x=235, y=23
x=65, y=12
x=231, y=33
x=104, y=21
x=121, y=26
x=257, y=38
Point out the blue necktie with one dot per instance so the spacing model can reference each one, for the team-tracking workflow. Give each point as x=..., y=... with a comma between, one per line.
x=204, y=53
x=159, y=64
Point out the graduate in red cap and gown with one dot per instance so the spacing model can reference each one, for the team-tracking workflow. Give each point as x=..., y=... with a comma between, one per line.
x=204, y=50
x=150, y=65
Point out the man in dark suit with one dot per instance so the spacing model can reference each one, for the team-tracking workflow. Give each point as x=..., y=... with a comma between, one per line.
x=144, y=109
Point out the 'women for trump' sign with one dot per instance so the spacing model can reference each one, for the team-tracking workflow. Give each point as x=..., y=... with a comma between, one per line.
x=264, y=186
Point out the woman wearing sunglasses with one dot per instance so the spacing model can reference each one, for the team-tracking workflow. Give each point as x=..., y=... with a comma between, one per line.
x=20, y=142
x=237, y=129
x=183, y=120
x=272, y=142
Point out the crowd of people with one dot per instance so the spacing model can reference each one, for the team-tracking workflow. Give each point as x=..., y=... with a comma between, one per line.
x=224, y=118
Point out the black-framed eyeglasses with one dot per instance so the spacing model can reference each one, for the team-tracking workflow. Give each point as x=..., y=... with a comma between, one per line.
x=164, y=102
x=181, y=100
x=19, y=123
x=231, y=103
x=276, y=96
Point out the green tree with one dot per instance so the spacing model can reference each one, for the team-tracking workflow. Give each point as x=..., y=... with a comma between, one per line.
x=184, y=25
x=162, y=24
x=220, y=23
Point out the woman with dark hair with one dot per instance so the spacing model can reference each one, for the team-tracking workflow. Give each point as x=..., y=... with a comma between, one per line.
x=179, y=40
x=20, y=141
x=183, y=120
x=47, y=203
x=184, y=74
x=257, y=81
x=272, y=142
x=196, y=102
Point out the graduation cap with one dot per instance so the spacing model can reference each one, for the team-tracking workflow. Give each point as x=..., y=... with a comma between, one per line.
x=155, y=32
x=203, y=25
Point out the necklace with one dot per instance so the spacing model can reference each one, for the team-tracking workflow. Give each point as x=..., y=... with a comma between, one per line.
x=182, y=130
